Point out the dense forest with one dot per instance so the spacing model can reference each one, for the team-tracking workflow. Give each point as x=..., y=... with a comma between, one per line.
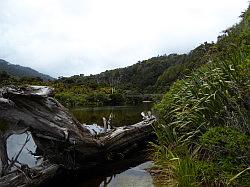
x=146, y=76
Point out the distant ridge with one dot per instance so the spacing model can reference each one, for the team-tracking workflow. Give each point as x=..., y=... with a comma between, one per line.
x=21, y=71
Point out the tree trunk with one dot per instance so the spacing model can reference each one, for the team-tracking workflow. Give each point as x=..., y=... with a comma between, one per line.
x=63, y=139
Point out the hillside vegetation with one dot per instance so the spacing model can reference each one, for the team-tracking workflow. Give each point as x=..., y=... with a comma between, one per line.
x=203, y=129
x=144, y=80
x=146, y=76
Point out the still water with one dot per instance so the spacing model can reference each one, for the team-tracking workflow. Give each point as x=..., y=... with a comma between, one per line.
x=27, y=147
x=131, y=173
x=136, y=176
x=121, y=115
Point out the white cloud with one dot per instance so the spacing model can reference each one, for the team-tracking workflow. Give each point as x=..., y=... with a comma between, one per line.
x=62, y=37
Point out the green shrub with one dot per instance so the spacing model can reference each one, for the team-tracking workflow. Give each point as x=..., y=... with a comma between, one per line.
x=229, y=149
x=203, y=121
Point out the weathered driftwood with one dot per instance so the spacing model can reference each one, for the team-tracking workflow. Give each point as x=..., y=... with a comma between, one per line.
x=63, y=140
x=29, y=177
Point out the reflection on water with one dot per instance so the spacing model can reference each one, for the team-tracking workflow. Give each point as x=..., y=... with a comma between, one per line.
x=133, y=177
x=17, y=143
x=112, y=175
x=122, y=115
x=129, y=176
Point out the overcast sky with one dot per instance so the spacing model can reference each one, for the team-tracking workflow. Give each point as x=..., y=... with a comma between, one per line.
x=68, y=37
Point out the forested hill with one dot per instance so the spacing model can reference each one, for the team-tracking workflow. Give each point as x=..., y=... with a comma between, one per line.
x=145, y=80
x=147, y=76
x=20, y=71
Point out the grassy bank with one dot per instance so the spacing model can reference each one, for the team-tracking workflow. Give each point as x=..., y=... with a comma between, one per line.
x=203, y=128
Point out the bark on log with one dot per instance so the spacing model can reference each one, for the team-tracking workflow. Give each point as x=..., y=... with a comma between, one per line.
x=63, y=139
x=3, y=155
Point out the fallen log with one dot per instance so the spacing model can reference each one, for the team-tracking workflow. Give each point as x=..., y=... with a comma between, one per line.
x=64, y=141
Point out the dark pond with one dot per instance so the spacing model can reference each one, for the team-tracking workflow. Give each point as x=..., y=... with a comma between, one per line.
x=131, y=172
x=134, y=176
x=121, y=115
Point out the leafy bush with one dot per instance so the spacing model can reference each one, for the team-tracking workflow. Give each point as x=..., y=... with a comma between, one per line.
x=229, y=150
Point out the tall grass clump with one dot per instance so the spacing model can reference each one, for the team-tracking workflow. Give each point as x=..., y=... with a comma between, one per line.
x=203, y=121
